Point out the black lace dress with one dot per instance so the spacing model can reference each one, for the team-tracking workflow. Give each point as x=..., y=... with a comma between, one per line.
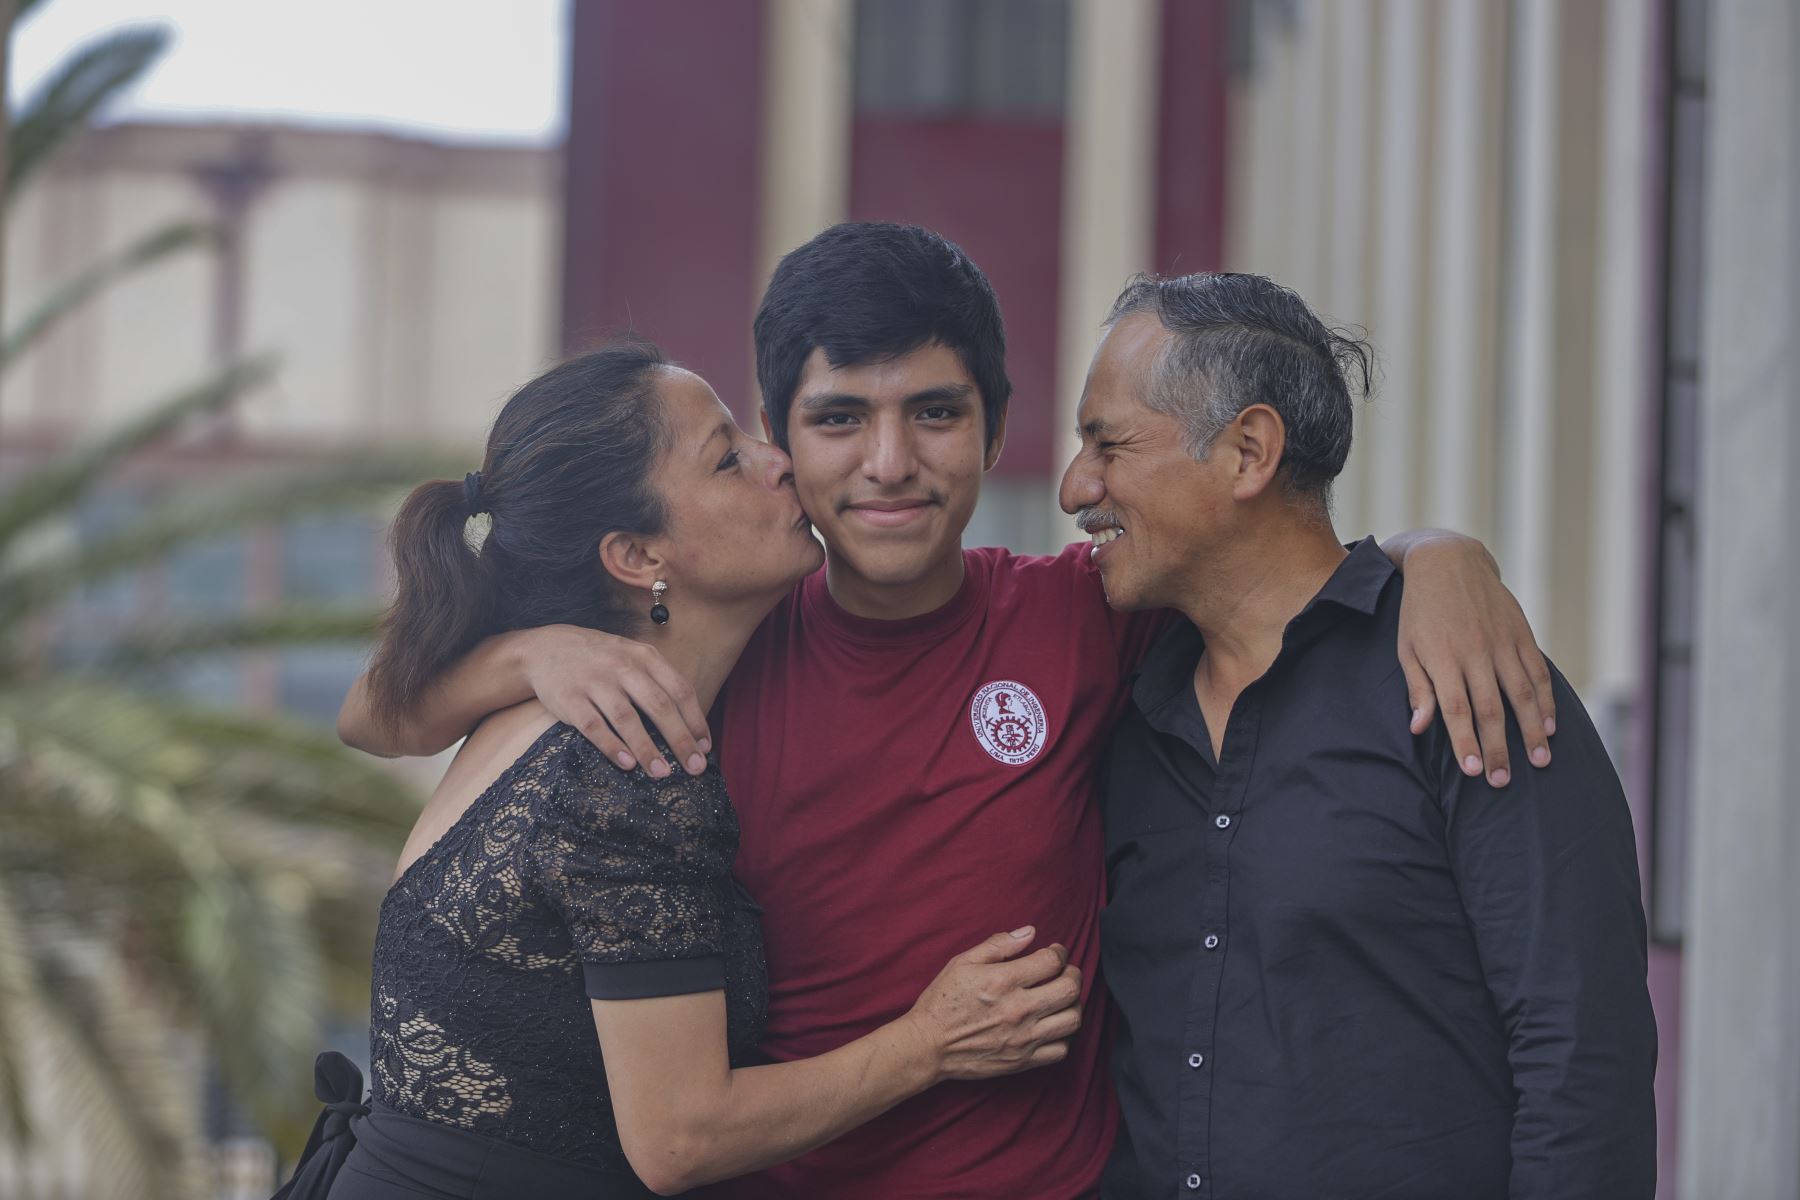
x=567, y=879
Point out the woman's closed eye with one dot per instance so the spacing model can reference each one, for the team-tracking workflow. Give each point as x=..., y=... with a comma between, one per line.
x=729, y=461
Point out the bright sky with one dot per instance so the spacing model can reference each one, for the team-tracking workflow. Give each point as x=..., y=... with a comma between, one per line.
x=473, y=69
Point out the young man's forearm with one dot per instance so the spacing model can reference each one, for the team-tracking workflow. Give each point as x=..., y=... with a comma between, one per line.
x=487, y=679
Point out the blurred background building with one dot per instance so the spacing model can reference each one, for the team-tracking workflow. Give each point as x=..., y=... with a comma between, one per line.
x=1570, y=227
x=407, y=285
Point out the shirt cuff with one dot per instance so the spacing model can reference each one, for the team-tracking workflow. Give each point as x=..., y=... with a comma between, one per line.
x=667, y=977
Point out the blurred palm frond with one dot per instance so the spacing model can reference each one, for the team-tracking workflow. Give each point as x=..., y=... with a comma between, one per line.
x=179, y=886
x=53, y=490
x=74, y=94
x=146, y=251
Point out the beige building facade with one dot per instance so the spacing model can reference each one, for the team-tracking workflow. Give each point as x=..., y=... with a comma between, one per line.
x=404, y=288
x=407, y=286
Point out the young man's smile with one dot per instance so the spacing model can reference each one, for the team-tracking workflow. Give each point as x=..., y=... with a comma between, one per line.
x=890, y=514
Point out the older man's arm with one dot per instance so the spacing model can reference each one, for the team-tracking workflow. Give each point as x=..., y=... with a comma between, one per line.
x=1548, y=876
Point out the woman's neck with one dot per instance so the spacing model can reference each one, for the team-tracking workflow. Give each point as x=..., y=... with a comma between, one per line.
x=704, y=645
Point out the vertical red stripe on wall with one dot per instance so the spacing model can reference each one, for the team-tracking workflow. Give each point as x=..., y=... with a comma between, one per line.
x=1191, y=137
x=662, y=180
x=994, y=187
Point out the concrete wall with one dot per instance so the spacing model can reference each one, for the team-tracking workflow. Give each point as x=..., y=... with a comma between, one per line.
x=1740, y=1111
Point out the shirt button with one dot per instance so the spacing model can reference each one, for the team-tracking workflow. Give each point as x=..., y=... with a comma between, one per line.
x=1193, y=1182
x=1196, y=1060
x=1212, y=941
x=1222, y=821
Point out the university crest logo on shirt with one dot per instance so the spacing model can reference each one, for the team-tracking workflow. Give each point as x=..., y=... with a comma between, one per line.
x=1009, y=722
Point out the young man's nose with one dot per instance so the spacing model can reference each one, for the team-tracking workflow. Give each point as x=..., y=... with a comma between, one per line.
x=891, y=456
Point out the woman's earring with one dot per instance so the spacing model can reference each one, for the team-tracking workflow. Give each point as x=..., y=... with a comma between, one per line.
x=659, y=612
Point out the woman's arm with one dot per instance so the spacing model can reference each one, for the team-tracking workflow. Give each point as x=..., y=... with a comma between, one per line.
x=594, y=681
x=687, y=1118
x=487, y=679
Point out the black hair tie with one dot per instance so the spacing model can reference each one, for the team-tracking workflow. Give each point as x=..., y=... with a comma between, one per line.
x=472, y=493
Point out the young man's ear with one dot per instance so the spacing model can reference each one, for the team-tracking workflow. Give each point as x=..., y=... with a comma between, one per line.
x=1258, y=437
x=996, y=445
x=768, y=433
x=630, y=560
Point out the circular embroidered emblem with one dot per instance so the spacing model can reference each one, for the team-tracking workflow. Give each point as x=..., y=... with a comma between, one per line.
x=1008, y=721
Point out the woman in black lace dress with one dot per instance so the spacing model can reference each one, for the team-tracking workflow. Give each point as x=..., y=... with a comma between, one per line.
x=568, y=983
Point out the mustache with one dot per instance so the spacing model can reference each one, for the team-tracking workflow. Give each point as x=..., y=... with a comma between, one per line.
x=1092, y=518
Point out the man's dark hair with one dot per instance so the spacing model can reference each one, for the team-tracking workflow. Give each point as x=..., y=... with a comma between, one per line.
x=1241, y=340
x=868, y=291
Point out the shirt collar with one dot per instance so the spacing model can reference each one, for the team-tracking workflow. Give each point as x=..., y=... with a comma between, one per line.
x=1358, y=582
x=1356, y=585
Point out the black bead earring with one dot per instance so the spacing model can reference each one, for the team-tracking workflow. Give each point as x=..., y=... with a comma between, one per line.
x=659, y=612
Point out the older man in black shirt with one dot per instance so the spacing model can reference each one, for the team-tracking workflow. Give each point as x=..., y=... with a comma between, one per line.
x=1344, y=966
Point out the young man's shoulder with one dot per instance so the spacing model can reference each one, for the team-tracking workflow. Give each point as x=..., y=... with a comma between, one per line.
x=1072, y=566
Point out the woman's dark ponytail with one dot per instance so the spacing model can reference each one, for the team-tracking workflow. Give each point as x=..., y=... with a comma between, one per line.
x=569, y=460
x=444, y=604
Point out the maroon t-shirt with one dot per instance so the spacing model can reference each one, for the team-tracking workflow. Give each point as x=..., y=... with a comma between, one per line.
x=906, y=789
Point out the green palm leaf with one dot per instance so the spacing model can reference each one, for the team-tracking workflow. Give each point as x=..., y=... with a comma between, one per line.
x=71, y=294
x=285, y=770
x=16, y=993
x=21, y=7
x=65, y=104
x=235, y=946
x=123, y=1149
x=347, y=484
x=164, y=867
x=288, y=627
x=50, y=490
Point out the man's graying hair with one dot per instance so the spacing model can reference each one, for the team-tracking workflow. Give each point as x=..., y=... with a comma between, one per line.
x=1242, y=340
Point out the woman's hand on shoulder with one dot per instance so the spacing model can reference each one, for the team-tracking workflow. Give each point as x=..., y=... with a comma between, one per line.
x=991, y=1012
x=598, y=682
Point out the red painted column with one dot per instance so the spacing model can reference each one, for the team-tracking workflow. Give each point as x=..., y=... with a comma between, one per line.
x=994, y=187
x=662, y=180
x=1191, y=137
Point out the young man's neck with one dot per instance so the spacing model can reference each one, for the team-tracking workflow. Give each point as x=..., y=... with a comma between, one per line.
x=882, y=601
x=1242, y=605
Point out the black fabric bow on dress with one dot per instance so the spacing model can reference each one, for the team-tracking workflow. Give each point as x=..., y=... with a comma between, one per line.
x=339, y=1086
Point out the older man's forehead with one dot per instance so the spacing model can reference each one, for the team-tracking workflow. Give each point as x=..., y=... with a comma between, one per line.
x=1137, y=336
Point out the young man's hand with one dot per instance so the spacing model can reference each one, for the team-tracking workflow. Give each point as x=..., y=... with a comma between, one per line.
x=1464, y=643
x=599, y=683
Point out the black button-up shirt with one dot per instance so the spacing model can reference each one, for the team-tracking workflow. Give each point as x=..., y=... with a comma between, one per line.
x=1341, y=967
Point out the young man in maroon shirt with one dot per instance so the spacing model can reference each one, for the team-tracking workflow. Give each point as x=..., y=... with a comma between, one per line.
x=912, y=739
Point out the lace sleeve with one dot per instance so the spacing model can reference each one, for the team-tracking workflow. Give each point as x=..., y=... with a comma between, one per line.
x=637, y=869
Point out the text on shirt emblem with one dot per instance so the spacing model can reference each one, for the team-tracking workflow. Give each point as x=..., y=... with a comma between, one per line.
x=1009, y=722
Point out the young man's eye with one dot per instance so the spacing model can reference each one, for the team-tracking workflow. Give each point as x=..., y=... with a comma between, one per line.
x=836, y=420
x=938, y=412
x=729, y=461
